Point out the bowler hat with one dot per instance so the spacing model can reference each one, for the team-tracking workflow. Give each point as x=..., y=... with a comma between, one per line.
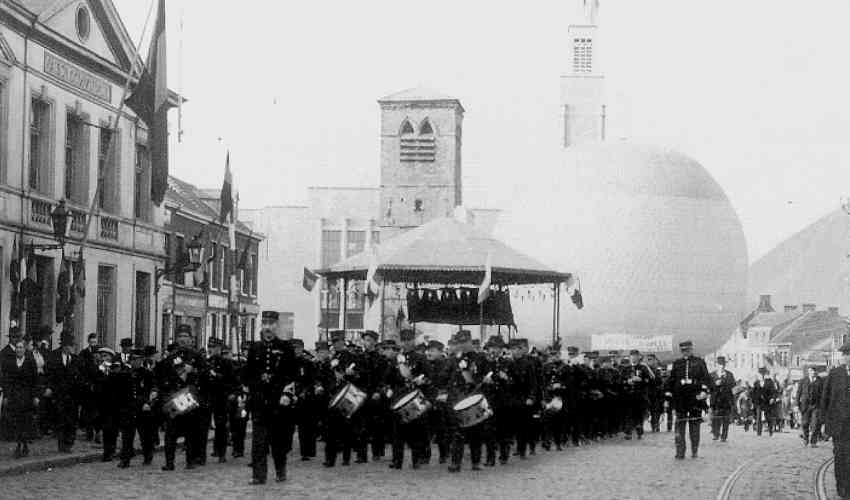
x=634, y=352
x=370, y=333
x=721, y=360
x=337, y=335
x=435, y=344
x=128, y=342
x=67, y=338
x=149, y=351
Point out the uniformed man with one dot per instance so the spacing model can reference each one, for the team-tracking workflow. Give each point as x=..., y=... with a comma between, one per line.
x=722, y=400
x=406, y=375
x=126, y=349
x=524, y=390
x=575, y=396
x=133, y=397
x=373, y=413
x=655, y=393
x=340, y=434
x=184, y=368
x=221, y=388
x=637, y=378
x=270, y=374
x=437, y=377
x=238, y=413
x=306, y=407
x=496, y=387
x=465, y=377
x=554, y=384
x=688, y=387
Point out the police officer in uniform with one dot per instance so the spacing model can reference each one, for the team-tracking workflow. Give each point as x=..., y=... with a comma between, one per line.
x=524, y=389
x=372, y=414
x=408, y=374
x=464, y=379
x=133, y=396
x=306, y=407
x=270, y=374
x=238, y=413
x=688, y=387
x=636, y=379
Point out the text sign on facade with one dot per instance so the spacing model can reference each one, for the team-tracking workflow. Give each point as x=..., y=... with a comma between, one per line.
x=620, y=341
x=77, y=78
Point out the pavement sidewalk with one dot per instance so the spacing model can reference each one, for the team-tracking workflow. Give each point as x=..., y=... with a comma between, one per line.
x=44, y=455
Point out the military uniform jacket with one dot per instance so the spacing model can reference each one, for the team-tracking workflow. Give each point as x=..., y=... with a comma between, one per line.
x=722, y=397
x=220, y=382
x=465, y=374
x=636, y=380
x=688, y=378
x=555, y=379
x=271, y=366
x=524, y=380
x=172, y=376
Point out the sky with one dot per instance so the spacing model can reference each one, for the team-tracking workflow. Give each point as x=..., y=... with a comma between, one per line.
x=755, y=90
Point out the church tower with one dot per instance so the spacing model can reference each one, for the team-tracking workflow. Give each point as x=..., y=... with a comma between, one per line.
x=582, y=88
x=420, y=158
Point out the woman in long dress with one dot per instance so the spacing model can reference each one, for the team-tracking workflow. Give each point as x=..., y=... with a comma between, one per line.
x=20, y=384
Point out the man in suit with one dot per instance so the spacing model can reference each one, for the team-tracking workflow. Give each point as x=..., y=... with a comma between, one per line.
x=835, y=408
x=126, y=349
x=765, y=394
x=808, y=400
x=62, y=369
x=89, y=362
x=722, y=400
x=7, y=358
x=688, y=389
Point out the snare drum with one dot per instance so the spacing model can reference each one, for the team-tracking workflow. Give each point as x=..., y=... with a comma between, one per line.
x=348, y=400
x=472, y=410
x=412, y=406
x=180, y=403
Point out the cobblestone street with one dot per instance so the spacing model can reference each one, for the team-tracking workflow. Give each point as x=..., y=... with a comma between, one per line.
x=767, y=468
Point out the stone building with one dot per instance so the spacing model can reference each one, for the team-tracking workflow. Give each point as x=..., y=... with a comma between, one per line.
x=202, y=298
x=63, y=66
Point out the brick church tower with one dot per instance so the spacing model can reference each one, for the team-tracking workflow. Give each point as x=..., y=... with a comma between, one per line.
x=420, y=159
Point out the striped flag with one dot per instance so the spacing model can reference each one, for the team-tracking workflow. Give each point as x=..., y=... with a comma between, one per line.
x=372, y=286
x=151, y=104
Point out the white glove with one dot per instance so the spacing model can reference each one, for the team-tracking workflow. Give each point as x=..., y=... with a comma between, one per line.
x=285, y=400
x=442, y=398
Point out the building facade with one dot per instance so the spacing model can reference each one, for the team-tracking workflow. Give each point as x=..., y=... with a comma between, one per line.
x=785, y=341
x=203, y=298
x=63, y=66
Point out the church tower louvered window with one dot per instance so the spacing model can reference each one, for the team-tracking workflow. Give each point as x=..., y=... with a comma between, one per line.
x=421, y=147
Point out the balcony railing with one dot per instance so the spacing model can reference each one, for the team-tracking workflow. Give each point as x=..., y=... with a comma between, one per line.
x=40, y=212
x=109, y=228
x=78, y=222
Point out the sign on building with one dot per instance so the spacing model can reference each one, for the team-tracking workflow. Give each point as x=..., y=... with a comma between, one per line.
x=622, y=341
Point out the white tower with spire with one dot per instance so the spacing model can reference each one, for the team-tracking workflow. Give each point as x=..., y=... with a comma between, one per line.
x=582, y=87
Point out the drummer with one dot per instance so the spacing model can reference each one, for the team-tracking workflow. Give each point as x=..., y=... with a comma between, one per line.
x=464, y=380
x=339, y=433
x=496, y=387
x=407, y=376
x=437, y=375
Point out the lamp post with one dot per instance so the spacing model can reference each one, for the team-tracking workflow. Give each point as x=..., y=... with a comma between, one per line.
x=60, y=219
x=189, y=261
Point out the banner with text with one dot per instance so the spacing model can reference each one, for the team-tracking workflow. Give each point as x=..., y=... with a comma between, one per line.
x=626, y=342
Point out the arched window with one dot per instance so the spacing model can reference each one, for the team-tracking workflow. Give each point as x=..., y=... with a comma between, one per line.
x=417, y=149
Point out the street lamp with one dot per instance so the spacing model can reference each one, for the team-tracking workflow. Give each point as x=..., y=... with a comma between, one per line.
x=193, y=252
x=60, y=218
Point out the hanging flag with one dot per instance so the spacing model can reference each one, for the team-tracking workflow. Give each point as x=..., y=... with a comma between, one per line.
x=226, y=197
x=80, y=277
x=309, y=280
x=372, y=286
x=243, y=259
x=29, y=286
x=484, y=289
x=151, y=104
x=400, y=318
x=63, y=292
x=200, y=272
x=15, y=265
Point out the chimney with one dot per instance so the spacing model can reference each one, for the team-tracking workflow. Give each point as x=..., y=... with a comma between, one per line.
x=789, y=309
x=764, y=304
x=833, y=311
x=808, y=308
